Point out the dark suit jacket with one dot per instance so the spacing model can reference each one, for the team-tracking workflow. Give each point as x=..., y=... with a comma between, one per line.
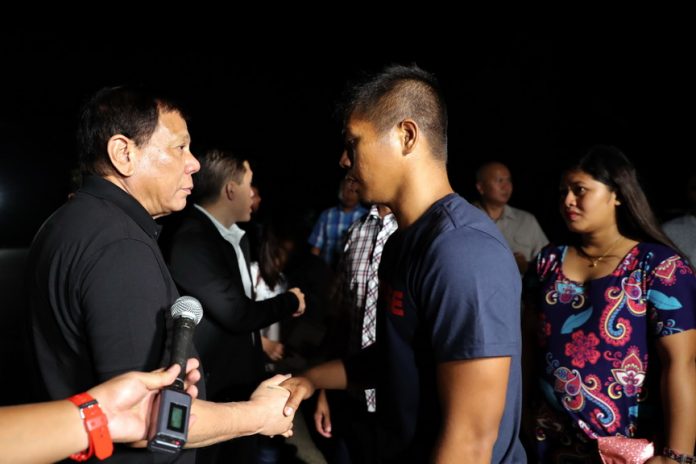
x=204, y=265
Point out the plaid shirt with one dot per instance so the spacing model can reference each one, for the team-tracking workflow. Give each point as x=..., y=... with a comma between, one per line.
x=359, y=265
x=329, y=230
x=355, y=269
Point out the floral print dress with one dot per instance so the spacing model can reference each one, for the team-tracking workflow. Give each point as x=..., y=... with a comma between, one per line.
x=599, y=373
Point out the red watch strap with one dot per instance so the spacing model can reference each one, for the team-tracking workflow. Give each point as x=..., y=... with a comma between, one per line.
x=97, y=427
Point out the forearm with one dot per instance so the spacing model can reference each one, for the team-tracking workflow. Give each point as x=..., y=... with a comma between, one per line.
x=453, y=449
x=236, y=314
x=679, y=400
x=330, y=375
x=44, y=432
x=216, y=422
x=263, y=414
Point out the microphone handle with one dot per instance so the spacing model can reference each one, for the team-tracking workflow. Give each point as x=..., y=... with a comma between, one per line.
x=181, y=347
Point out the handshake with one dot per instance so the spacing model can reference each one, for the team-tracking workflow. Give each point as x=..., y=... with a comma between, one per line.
x=124, y=406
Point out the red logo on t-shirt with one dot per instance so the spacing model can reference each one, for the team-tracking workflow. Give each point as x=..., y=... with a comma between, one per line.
x=396, y=302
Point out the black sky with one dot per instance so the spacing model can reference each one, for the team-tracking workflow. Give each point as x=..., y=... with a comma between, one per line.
x=528, y=99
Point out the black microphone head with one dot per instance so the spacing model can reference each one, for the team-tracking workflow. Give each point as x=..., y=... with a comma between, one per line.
x=187, y=307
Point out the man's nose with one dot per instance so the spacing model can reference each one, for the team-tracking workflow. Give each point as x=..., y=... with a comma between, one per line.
x=344, y=161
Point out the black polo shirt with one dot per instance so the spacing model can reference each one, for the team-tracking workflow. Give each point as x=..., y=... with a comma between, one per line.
x=100, y=295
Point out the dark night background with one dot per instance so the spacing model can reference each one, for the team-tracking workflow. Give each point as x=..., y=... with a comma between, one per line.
x=527, y=99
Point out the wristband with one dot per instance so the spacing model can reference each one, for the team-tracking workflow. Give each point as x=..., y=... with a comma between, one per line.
x=680, y=458
x=97, y=427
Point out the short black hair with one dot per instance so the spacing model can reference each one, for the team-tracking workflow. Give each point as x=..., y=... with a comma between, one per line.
x=127, y=110
x=217, y=167
x=396, y=93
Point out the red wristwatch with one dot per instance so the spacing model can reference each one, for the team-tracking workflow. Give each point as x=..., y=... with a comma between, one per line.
x=97, y=427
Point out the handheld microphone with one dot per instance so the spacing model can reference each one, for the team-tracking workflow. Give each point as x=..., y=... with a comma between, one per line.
x=169, y=427
x=187, y=312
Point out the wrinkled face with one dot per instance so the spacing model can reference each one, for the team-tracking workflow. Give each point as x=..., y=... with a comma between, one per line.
x=372, y=161
x=243, y=197
x=587, y=205
x=163, y=176
x=495, y=185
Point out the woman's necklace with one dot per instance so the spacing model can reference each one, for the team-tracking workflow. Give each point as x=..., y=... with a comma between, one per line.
x=594, y=260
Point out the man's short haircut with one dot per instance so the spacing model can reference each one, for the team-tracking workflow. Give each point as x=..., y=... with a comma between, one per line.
x=130, y=111
x=217, y=168
x=399, y=92
x=485, y=166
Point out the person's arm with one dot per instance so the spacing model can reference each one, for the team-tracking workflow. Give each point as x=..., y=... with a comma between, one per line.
x=676, y=347
x=472, y=395
x=200, y=269
x=678, y=383
x=538, y=238
x=322, y=415
x=317, y=237
x=521, y=260
x=273, y=349
x=52, y=431
x=330, y=375
x=472, y=371
x=263, y=413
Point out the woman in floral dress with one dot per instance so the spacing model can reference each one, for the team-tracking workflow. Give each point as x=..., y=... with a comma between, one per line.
x=616, y=347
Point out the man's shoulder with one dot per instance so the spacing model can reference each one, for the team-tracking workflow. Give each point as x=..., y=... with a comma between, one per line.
x=681, y=222
x=457, y=230
x=87, y=233
x=89, y=219
x=193, y=220
x=519, y=214
x=194, y=230
x=459, y=220
x=331, y=211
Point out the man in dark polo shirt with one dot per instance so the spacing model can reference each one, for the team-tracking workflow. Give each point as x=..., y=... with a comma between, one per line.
x=99, y=289
x=446, y=362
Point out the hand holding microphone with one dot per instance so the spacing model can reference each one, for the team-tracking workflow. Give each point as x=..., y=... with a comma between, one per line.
x=187, y=312
x=169, y=429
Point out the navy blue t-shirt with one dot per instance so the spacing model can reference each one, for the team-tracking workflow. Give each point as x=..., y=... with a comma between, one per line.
x=449, y=290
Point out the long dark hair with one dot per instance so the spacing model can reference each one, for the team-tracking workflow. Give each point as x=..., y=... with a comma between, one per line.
x=272, y=258
x=634, y=216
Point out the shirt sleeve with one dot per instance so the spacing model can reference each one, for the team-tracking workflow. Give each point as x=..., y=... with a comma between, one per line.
x=200, y=269
x=122, y=295
x=470, y=288
x=318, y=235
x=671, y=294
x=537, y=236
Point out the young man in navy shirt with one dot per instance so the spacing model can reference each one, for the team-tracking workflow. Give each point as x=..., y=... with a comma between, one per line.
x=446, y=361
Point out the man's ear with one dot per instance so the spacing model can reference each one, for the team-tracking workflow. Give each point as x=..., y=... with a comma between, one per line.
x=230, y=189
x=409, y=134
x=120, y=150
